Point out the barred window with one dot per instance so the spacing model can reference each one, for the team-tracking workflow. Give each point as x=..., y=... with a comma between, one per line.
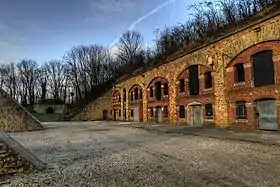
x=241, y=111
x=209, y=111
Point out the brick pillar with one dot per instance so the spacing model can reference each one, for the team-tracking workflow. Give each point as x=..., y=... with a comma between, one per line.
x=127, y=106
x=251, y=117
x=276, y=60
x=122, y=102
x=201, y=83
x=220, y=102
x=145, y=104
x=248, y=73
x=172, y=101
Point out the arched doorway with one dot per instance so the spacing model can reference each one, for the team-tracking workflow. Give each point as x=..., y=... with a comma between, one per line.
x=105, y=114
x=266, y=114
x=136, y=103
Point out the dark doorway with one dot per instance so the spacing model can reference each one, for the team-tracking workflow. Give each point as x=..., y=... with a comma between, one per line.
x=105, y=114
x=115, y=115
x=158, y=90
x=194, y=80
x=263, y=67
x=49, y=110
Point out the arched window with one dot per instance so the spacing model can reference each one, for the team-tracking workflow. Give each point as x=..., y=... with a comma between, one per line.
x=136, y=94
x=239, y=73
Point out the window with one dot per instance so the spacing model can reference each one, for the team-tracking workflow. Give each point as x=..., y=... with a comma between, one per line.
x=241, y=111
x=151, y=112
x=263, y=68
x=182, y=112
x=208, y=80
x=136, y=96
x=124, y=95
x=141, y=94
x=165, y=111
x=158, y=90
x=151, y=92
x=131, y=96
x=209, y=111
x=239, y=73
x=120, y=113
x=194, y=80
x=119, y=98
x=131, y=113
x=165, y=89
x=182, y=85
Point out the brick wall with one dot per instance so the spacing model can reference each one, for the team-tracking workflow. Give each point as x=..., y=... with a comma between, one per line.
x=216, y=57
x=14, y=117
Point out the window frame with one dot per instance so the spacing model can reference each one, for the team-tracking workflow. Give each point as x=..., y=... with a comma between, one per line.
x=239, y=76
x=238, y=111
x=206, y=112
x=208, y=81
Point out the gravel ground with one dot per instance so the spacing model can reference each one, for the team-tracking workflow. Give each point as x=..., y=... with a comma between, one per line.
x=106, y=154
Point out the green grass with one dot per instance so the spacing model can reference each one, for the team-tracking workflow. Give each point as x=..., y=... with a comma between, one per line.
x=48, y=117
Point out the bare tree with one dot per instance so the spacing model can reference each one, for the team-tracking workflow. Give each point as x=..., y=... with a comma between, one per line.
x=130, y=46
x=56, y=78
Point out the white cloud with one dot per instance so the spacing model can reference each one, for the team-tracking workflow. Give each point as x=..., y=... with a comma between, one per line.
x=111, y=5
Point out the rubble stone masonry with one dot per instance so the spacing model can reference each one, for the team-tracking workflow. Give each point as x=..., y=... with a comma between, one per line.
x=217, y=56
x=14, y=117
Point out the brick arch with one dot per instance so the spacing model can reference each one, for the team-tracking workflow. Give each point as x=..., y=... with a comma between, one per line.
x=178, y=75
x=134, y=86
x=255, y=47
x=180, y=70
x=156, y=79
x=195, y=103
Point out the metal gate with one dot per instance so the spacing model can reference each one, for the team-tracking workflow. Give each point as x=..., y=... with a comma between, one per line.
x=267, y=112
x=159, y=115
x=195, y=115
x=136, y=116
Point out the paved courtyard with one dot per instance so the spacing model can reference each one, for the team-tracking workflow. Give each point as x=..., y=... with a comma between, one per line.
x=109, y=154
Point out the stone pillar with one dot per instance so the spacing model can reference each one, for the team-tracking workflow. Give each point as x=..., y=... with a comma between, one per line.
x=220, y=101
x=145, y=104
x=122, y=102
x=127, y=106
x=172, y=101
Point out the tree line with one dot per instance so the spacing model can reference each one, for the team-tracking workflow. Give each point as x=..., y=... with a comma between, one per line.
x=84, y=71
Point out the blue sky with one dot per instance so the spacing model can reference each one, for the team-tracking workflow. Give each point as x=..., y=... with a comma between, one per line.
x=45, y=29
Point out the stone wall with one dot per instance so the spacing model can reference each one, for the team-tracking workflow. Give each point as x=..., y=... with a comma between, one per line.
x=100, y=109
x=14, y=158
x=14, y=117
x=215, y=56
